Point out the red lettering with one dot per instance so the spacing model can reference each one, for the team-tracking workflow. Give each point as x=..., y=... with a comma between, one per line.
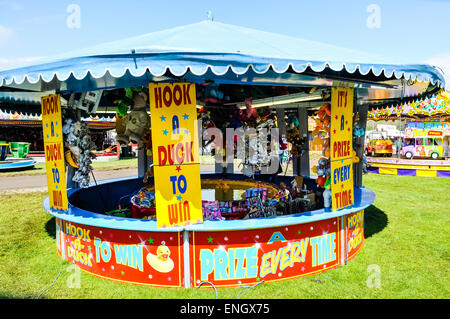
x=180, y=147
x=55, y=104
x=187, y=212
x=158, y=97
x=170, y=149
x=189, y=150
x=172, y=94
x=49, y=105
x=162, y=151
x=176, y=153
x=57, y=198
x=44, y=106
x=167, y=96
x=53, y=152
x=179, y=213
x=177, y=95
x=58, y=151
x=341, y=149
x=342, y=98
x=186, y=96
x=338, y=202
x=343, y=199
x=173, y=214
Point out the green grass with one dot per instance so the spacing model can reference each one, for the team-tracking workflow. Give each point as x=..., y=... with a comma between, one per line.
x=407, y=237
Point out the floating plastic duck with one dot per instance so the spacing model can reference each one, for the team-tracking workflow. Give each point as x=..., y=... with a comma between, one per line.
x=161, y=261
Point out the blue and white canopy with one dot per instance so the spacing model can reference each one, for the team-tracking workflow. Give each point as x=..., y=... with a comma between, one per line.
x=213, y=51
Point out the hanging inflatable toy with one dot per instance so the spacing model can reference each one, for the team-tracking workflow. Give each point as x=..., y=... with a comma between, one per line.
x=70, y=160
x=358, y=131
x=161, y=261
x=355, y=157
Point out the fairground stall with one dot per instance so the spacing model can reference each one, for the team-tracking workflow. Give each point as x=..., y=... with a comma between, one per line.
x=211, y=91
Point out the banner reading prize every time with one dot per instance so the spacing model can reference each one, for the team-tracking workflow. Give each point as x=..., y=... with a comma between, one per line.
x=173, y=110
x=54, y=151
x=341, y=155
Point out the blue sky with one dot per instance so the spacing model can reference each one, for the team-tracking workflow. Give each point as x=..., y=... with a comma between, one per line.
x=414, y=31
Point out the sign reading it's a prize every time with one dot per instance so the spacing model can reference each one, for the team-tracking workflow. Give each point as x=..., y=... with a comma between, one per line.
x=175, y=154
x=341, y=130
x=54, y=151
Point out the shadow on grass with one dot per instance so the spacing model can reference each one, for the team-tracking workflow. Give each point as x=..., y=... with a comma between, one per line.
x=3, y=297
x=375, y=220
x=50, y=227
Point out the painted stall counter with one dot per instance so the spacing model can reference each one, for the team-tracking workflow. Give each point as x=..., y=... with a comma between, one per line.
x=226, y=253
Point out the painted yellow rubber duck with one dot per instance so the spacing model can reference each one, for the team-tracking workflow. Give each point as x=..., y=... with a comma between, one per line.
x=161, y=261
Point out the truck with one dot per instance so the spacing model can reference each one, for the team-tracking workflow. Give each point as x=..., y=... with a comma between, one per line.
x=378, y=144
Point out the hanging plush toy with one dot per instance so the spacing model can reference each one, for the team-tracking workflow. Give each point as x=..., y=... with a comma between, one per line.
x=321, y=132
x=323, y=170
x=293, y=136
x=137, y=122
x=123, y=105
x=297, y=142
x=357, y=130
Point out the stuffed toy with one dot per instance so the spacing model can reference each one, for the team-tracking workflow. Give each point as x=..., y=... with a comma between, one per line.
x=293, y=136
x=321, y=132
x=137, y=122
x=323, y=170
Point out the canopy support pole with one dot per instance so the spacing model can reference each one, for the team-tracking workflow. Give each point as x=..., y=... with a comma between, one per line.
x=281, y=123
x=301, y=164
x=142, y=162
x=359, y=142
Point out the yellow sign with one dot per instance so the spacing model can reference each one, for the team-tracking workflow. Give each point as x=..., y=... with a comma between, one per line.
x=342, y=183
x=175, y=154
x=341, y=131
x=178, y=195
x=341, y=125
x=54, y=151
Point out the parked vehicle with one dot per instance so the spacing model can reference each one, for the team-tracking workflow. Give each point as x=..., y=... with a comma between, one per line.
x=423, y=147
x=425, y=139
x=379, y=147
